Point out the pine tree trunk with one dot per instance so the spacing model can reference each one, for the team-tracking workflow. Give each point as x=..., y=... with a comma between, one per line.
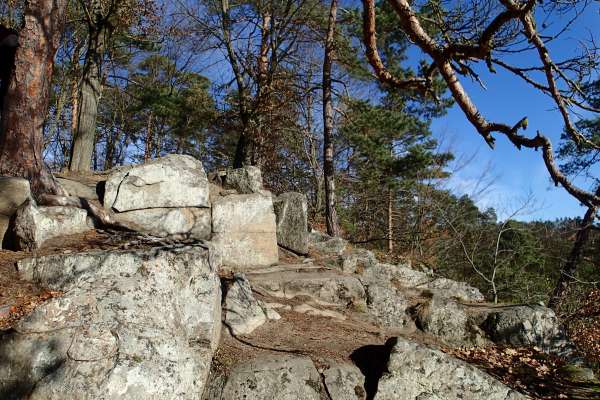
x=24, y=112
x=149, y=139
x=570, y=268
x=89, y=96
x=390, y=227
x=328, y=165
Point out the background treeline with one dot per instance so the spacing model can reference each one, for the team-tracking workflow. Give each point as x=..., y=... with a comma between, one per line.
x=282, y=84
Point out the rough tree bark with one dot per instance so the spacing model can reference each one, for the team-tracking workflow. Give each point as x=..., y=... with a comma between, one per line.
x=90, y=91
x=328, y=165
x=21, y=130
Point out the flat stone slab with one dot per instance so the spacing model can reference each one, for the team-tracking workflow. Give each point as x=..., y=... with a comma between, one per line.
x=324, y=287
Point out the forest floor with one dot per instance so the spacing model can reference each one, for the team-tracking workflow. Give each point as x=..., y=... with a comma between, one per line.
x=356, y=339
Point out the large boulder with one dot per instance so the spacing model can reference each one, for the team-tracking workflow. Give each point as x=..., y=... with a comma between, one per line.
x=244, y=180
x=344, y=381
x=162, y=222
x=244, y=230
x=404, y=276
x=326, y=245
x=417, y=372
x=171, y=181
x=273, y=377
x=35, y=225
x=449, y=321
x=357, y=260
x=389, y=306
x=130, y=325
x=525, y=325
x=243, y=312
x=291, y=210
x=13, y=193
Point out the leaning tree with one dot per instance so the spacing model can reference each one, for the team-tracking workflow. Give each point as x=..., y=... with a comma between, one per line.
x=456, y=37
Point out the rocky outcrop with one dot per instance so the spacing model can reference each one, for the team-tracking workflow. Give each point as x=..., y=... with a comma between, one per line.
x=449, y=321
x=526, y=325
x=389, y=306
x=34, y=225
x=163, y=222
x=13, y=193
x=344, y=381
x=321, y=243
x=243, y=312
x=357, y=260
x=276, y=377
x=244, y=180
x=167, y=196
x=323, y=287
x=167, y=182
x=418, y=372
x=129, y=325
x=291, y=210
x=78, y=189
x=244, y=230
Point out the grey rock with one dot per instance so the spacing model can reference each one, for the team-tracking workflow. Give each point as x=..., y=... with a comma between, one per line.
x=34, y=226
x=244, y=180
x=4, y=224
x=405, y=276
x=171, y=181
x=449, y=321
x=322, y=243
x=291, y=210
x=310, y=310
x=78, y=189
x=324, y=287
x=243, y=312
x=525, y=325
x=245, y=231
x=418, y=372
x=344, y=382
x=277, y=377
x=130, y=325
x=389, y=306
x=357, y=260
x=13, y=193
x=163, y=222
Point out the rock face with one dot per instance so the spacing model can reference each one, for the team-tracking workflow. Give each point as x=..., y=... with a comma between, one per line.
x=344, y=382
x=78, y=189
x=244, y=180
x=322, y=243
x=36, y=225
x=449, y=321
x=171, y=181
x=13, y=193
x=526, y=325
x=243, y=312
x=280, y=377
x=326, y=288
x=163, y=222
x=130, y=325
x=244, y=230
x=357, y=261
x=389, y=306
x=418, y=372
x=291, y=210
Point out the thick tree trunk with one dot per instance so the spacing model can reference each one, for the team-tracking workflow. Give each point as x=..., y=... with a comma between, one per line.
x=570, y=268
x=328, y=165
x=84, y=136
x=21, y=130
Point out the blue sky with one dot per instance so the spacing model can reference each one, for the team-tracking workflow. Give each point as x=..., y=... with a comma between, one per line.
x=508, y=99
